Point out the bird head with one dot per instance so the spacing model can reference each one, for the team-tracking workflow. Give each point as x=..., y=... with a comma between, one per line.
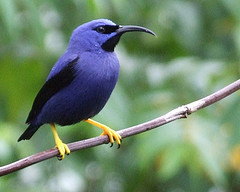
x=100, y=34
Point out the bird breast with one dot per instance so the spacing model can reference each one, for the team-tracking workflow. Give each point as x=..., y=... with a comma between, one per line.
x=99, y=68
x=96, y=78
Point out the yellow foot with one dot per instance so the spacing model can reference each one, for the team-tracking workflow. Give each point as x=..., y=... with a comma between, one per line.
x=62, y=148
x=113, y=135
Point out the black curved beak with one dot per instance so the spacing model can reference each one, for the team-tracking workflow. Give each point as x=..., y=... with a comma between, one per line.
x=129, y=28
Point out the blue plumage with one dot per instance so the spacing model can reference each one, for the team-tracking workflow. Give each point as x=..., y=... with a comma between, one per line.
x=86, y=95
x=82, y=80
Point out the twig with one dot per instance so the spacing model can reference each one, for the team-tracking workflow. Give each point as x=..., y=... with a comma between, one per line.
x=178, y=113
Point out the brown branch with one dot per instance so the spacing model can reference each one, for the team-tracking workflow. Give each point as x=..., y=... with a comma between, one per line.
x=178, y=113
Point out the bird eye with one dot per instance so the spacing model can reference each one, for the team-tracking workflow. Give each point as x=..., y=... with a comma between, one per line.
x=100, y=29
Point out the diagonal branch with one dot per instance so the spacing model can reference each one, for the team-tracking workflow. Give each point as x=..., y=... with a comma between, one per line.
x=178, y=113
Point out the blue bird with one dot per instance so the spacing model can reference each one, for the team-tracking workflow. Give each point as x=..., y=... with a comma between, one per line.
x=81, y=81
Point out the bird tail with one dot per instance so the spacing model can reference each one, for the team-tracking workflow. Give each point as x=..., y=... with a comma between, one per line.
x=28, y=133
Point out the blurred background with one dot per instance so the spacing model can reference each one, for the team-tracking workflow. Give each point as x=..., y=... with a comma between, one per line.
x=196, y=53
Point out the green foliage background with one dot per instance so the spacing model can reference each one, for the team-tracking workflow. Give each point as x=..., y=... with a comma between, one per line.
x=196, y=53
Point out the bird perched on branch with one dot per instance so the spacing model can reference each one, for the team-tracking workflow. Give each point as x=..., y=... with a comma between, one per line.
x=81, y=81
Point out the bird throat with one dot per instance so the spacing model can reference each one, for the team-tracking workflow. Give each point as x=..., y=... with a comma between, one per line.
x=110, y=44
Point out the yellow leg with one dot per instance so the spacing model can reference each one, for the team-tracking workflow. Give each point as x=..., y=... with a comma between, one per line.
x=107, y=131
x=62, y=147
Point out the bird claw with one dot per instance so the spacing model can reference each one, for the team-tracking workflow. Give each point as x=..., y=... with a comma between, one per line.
x=63, y=149
x=119, y=145
x=113, y=135
x=60, y=158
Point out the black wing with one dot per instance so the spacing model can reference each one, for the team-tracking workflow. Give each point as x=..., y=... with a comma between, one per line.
x=51, y=87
